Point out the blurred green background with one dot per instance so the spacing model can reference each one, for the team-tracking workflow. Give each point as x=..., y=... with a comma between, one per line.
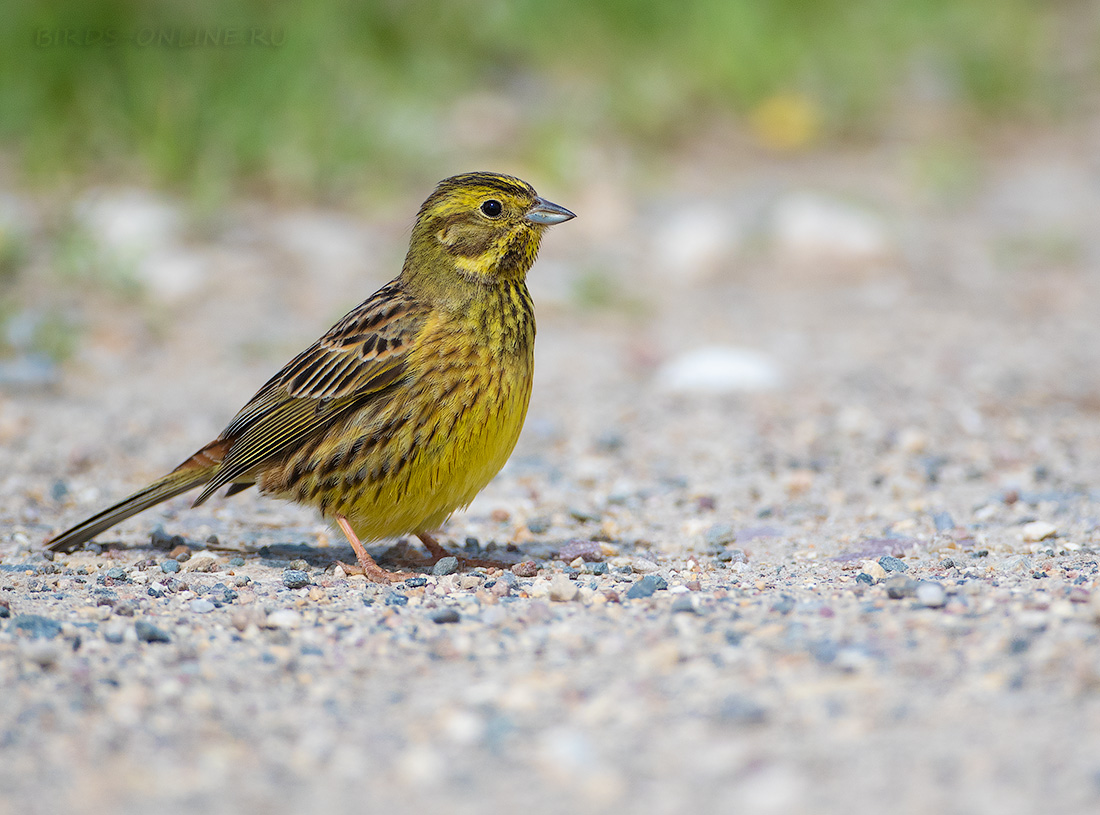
x=356, y=106
x=333, y=98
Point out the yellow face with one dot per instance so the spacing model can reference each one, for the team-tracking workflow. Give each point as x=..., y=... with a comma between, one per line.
x=487, y=225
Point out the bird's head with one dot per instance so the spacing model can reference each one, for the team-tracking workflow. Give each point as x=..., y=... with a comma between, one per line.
x=481, y=227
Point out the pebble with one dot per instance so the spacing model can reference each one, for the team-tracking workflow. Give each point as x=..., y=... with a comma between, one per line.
x=170, y=566
x=202, y=562
x=115, y=573
x=147, y=632
x=943, y=521
x=900, y=586
x=562, y=589
x=1038, y=531
x=36, y=626
x=201, y=606
x=527, y=568
x=589, y=551
x=395, y=598
x=643, y=588
x=444, y=615
x=719, y=369
x=892, y=564
x=718, y=536
x=295, y=579
x=684, y=604
x=283, y=618
x=874, y=569
x=445, y=566
x=538, y=526
x=643, y=565
x=931, y=594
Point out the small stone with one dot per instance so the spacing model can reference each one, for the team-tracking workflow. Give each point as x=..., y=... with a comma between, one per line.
x=182, y=553
x=718, y=536
x=642, y=588
x=445, y=566
x=162, y=540
x=729, y=555
x=684, y=604
x=170, y=566
x=943, y=521
x=874, y=569
x=283, y=618
x=892, y=564
x=295, y=579
x=416, y=582
x=235, y=561
x=444, y=615
x=583, y=515
x=900, y=586
x=526, y=568
x=597, y=568
x=1038, y=530
x=538, y=526
x=201, y=606
x=123, y=609
x=589, y=551
x=863, y=577
x=500, y=589
x=784, y=605
x=202, y=562
x=36, y=626
x=562, y=589
x=395, y=598
x=642, y=565
x=931, y=594
x=115, y=573
x=147, y=632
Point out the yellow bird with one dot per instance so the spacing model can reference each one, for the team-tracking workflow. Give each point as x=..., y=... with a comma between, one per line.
x=407, y=407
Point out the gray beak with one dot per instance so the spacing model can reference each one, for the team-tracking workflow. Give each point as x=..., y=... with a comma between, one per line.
x=546, y=213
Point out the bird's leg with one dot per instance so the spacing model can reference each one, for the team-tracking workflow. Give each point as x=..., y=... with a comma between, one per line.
x=367, y=565
x=436, y=553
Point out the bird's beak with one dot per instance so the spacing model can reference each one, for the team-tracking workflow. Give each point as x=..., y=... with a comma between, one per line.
x=546, y=213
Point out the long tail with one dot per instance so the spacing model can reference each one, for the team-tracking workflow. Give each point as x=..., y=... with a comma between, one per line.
x=197, y=470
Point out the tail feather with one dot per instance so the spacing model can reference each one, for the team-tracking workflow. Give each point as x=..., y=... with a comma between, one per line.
x=187, y=476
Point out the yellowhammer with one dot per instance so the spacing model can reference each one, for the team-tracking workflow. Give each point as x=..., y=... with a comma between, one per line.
x=406, y=408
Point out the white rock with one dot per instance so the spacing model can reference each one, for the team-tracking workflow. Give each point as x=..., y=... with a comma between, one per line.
x=283, y=618
x=1038, y=530
x=808, y=227
x=874, y=568
x=931, y=594
x=643, y=565
x=562, y=589
x=719, y=369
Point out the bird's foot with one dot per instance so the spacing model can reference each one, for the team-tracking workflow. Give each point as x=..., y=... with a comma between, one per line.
x=366, y=564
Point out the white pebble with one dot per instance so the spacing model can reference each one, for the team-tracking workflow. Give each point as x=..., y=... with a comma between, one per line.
x=284, y=618
x=1039, y=530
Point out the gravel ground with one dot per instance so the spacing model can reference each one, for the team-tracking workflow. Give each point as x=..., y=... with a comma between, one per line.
x=854, y=570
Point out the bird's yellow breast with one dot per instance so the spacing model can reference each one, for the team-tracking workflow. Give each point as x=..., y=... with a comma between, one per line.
x=403, y=464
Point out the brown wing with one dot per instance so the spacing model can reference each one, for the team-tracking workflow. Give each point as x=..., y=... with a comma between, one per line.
x=357, y=360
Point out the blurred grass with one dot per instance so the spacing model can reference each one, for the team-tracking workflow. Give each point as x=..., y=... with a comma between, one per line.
x=376, y=92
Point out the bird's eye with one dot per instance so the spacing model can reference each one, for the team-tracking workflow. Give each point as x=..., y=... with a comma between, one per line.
x=492, y=208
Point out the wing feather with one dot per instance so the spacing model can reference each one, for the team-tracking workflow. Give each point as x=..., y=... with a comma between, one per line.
x=359, y=358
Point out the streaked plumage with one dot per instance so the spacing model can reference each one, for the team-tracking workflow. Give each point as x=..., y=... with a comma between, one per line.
x=406, y=408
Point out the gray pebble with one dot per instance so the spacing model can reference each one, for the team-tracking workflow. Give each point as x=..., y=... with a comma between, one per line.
x=116, y=573
x=643, y=588
x=235, y=561
x=900, y=586
x=295, y=579
x=36, y=626
x=784, y=605
x=123, y=609
x=684, y=603
x=445, y=565
x=931, y=594
x=444, y=615
x=416, y=582
x=147, y=632
x=241, y=580
x=863, y=577
x=201, y=606
x=396, y=599
x=943, y=521
x=718, y=536
x=538, y=525
x=170, y=566
x=892, y=564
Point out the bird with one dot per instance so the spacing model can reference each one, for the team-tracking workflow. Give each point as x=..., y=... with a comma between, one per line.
x=410, y=404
